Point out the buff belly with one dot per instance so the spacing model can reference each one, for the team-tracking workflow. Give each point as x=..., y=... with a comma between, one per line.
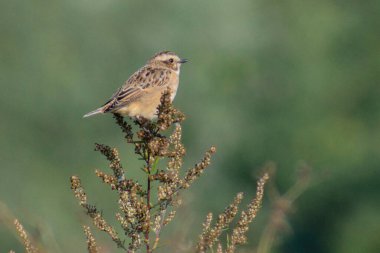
x=145, y=107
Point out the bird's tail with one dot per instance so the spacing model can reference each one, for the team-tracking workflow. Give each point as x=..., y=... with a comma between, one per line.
x=92, y=113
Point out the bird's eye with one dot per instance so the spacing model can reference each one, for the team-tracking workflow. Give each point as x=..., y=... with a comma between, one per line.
x=171, y=60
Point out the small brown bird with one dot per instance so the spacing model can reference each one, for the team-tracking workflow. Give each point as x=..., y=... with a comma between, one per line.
x=141, y=93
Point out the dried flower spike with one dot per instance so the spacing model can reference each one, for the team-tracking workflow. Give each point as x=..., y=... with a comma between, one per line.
x=198, y=169
x=239, y=232
x=211, y=234
x=78, y=190
x=91, y=243
x=24, y=237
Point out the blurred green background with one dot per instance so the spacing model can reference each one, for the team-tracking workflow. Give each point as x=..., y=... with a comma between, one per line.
x=286, y=81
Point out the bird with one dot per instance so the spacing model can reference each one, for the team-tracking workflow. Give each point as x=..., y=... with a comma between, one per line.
x=140, y=95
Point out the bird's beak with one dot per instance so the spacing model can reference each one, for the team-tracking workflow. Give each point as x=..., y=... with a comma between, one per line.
x=183, y=61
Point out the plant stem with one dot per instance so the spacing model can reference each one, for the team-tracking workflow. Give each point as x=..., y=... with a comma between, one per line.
x=148, y=205
x=148, y=202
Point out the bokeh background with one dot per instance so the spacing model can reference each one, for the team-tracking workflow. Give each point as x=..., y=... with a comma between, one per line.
x=283, y=81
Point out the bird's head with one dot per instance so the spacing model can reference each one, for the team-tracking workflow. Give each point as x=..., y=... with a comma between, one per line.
x=168, y=60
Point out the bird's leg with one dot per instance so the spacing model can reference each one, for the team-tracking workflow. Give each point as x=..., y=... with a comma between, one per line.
x=157, y=134
x=145, y=124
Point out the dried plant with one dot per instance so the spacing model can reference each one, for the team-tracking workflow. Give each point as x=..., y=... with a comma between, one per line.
x=91, y=243
x=141, y=215
x=29, y=248
x=7, y=219
x=211, y=234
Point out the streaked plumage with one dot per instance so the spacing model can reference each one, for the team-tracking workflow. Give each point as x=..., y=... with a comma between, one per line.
x=140, y=95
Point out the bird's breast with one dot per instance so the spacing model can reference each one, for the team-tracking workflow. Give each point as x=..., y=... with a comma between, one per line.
x=173, y=85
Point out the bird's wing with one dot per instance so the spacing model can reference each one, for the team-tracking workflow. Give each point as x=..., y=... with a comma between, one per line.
x=145, y=79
